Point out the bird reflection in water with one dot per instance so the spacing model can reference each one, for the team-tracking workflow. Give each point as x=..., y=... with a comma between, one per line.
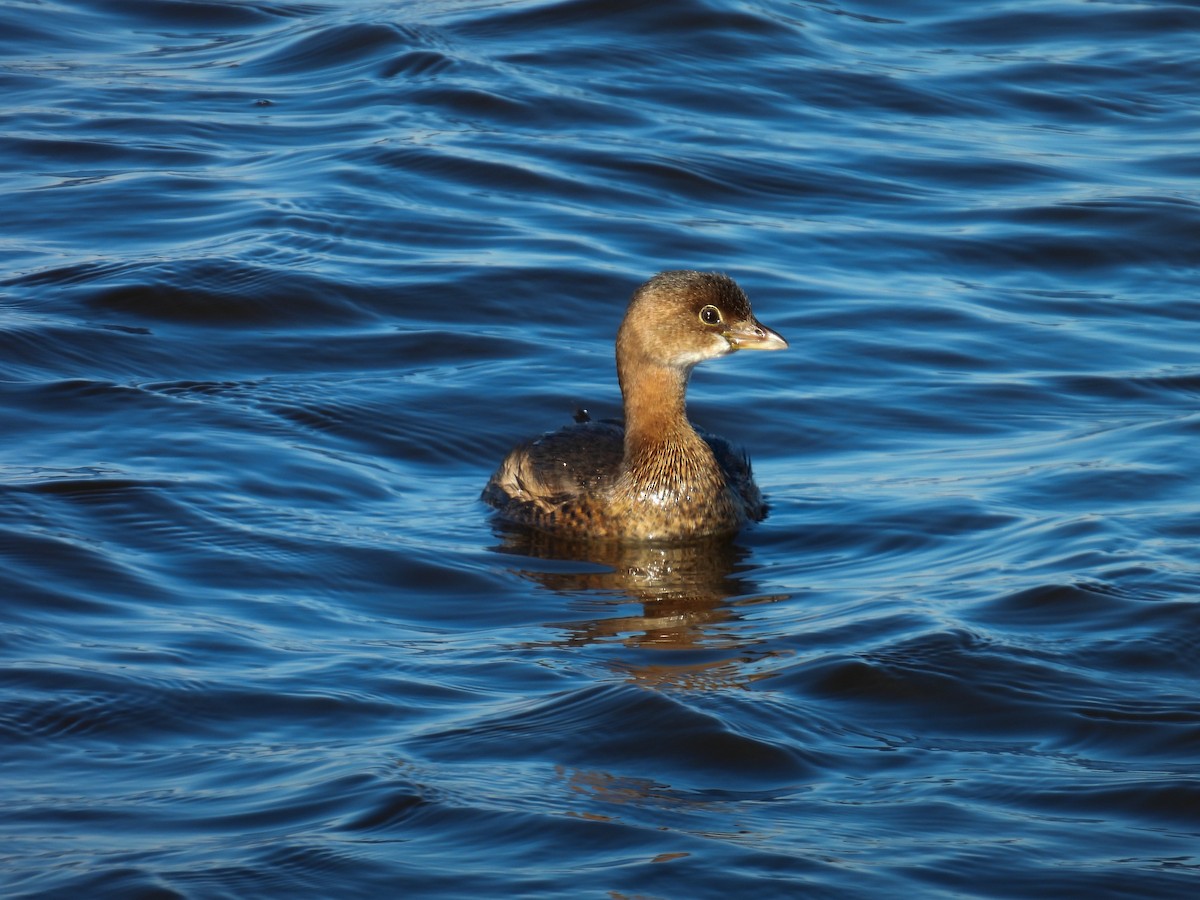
x=691, y=598
x=690, y=593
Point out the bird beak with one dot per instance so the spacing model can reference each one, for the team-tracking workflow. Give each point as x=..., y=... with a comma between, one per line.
x=753, y=335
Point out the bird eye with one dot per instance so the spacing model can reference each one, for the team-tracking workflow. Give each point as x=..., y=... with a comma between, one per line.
x=710, y=315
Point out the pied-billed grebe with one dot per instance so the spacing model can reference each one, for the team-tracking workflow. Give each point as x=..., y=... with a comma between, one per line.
x=656, y=478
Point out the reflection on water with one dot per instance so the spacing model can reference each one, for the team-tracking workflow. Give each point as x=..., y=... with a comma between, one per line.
x=686, y=591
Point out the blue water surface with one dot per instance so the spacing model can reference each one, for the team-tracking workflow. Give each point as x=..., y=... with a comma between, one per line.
x=281, y=282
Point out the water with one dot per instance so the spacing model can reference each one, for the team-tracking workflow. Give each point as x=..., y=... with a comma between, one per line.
x=283, y=281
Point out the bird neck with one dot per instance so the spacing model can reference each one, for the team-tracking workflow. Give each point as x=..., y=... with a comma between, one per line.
x=655, y=409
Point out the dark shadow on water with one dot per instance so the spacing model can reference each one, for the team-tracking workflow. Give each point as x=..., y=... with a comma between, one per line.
x=684, y=589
